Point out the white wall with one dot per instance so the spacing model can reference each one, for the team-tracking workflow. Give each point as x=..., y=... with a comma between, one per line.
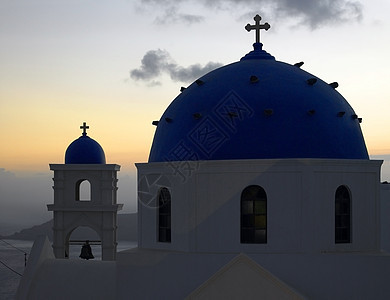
x=300, y=192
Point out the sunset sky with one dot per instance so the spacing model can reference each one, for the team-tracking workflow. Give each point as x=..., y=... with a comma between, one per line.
x=118, y=64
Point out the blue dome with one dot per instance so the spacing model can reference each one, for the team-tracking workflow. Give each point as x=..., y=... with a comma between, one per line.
x=258, y=108
x=84, y=150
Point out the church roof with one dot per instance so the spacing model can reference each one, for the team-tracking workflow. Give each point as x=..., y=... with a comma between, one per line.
x=258, y=108
x=84, y=150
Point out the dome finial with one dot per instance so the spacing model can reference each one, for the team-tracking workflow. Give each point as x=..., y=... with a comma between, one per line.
x=84, y=128
x=257, y=27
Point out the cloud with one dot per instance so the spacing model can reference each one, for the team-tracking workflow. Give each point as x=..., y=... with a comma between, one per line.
x=152, y=65
x=157, y=62
x=171, y=15
x=192, y=72
x=318, y=13
x=309, y=13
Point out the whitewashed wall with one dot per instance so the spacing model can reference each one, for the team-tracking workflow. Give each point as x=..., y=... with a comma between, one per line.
x=301, y=200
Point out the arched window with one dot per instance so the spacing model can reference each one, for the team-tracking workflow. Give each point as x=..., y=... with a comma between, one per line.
x=164, y=216
x=253, y=215
x=342, y=215
x=83, y=190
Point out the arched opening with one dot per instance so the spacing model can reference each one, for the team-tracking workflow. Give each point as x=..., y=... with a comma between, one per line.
x=164, y=216
x=78, y=237
x=253, y=215
x=342, y=215
x=83, y=190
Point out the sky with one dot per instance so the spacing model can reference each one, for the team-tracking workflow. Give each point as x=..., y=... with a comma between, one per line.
x=118, y=64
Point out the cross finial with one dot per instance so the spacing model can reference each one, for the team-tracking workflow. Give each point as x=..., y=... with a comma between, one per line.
x=84, y=128
x=257, y=27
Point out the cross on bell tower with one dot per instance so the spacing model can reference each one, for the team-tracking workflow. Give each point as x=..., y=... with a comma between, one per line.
x=84, y=128
x=257, y=27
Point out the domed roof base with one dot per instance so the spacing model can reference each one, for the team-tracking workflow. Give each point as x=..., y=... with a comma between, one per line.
x=85, y=150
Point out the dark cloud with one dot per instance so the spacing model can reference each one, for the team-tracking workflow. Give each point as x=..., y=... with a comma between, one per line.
x=156, y=62
x=152, y=65
x=311, y=13
x=317, y=13
x=192, y=72
x=171, y=15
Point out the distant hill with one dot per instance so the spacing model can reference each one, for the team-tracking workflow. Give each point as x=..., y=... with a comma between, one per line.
x=127, y=230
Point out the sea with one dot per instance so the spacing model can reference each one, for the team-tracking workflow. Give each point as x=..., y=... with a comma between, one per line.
x=13, y=259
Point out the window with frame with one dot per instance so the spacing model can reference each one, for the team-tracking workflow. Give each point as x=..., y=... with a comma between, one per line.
x=253, y=215
x=83, y=190
x=164, y=216
x=342, y=215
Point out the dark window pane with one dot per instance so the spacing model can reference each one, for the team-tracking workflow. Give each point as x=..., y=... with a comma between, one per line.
x=261, y=222
x=165, y=221
x=164, y=209
x=344, y=207
x=342, y=215
x=247, y=207
x=248, y=220
x=338, y=221
x=261, y=236
x=344, y=221
x=162, y=235
x=164, y=216
x=260, y=207
x=168, y=235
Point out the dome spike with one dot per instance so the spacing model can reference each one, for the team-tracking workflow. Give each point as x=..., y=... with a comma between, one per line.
x=197, y=116
x=298, y=65
x=311, y=81
x=254, y=79
x=199, y=82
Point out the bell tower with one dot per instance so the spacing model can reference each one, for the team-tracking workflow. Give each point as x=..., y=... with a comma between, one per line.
x=85, y=168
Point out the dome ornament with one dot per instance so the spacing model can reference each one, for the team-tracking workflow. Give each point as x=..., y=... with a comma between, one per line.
x=84, y=128
x=257, y=27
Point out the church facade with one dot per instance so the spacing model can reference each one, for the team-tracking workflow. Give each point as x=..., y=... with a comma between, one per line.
x=258, y=186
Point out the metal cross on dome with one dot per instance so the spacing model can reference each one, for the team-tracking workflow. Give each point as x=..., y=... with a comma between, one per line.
x=257, y=27
x=84, y=128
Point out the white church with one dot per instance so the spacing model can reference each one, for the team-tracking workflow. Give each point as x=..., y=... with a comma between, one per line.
x=258, y=186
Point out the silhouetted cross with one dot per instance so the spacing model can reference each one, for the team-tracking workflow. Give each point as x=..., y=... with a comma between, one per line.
x=257, y=27
x=84, y=128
